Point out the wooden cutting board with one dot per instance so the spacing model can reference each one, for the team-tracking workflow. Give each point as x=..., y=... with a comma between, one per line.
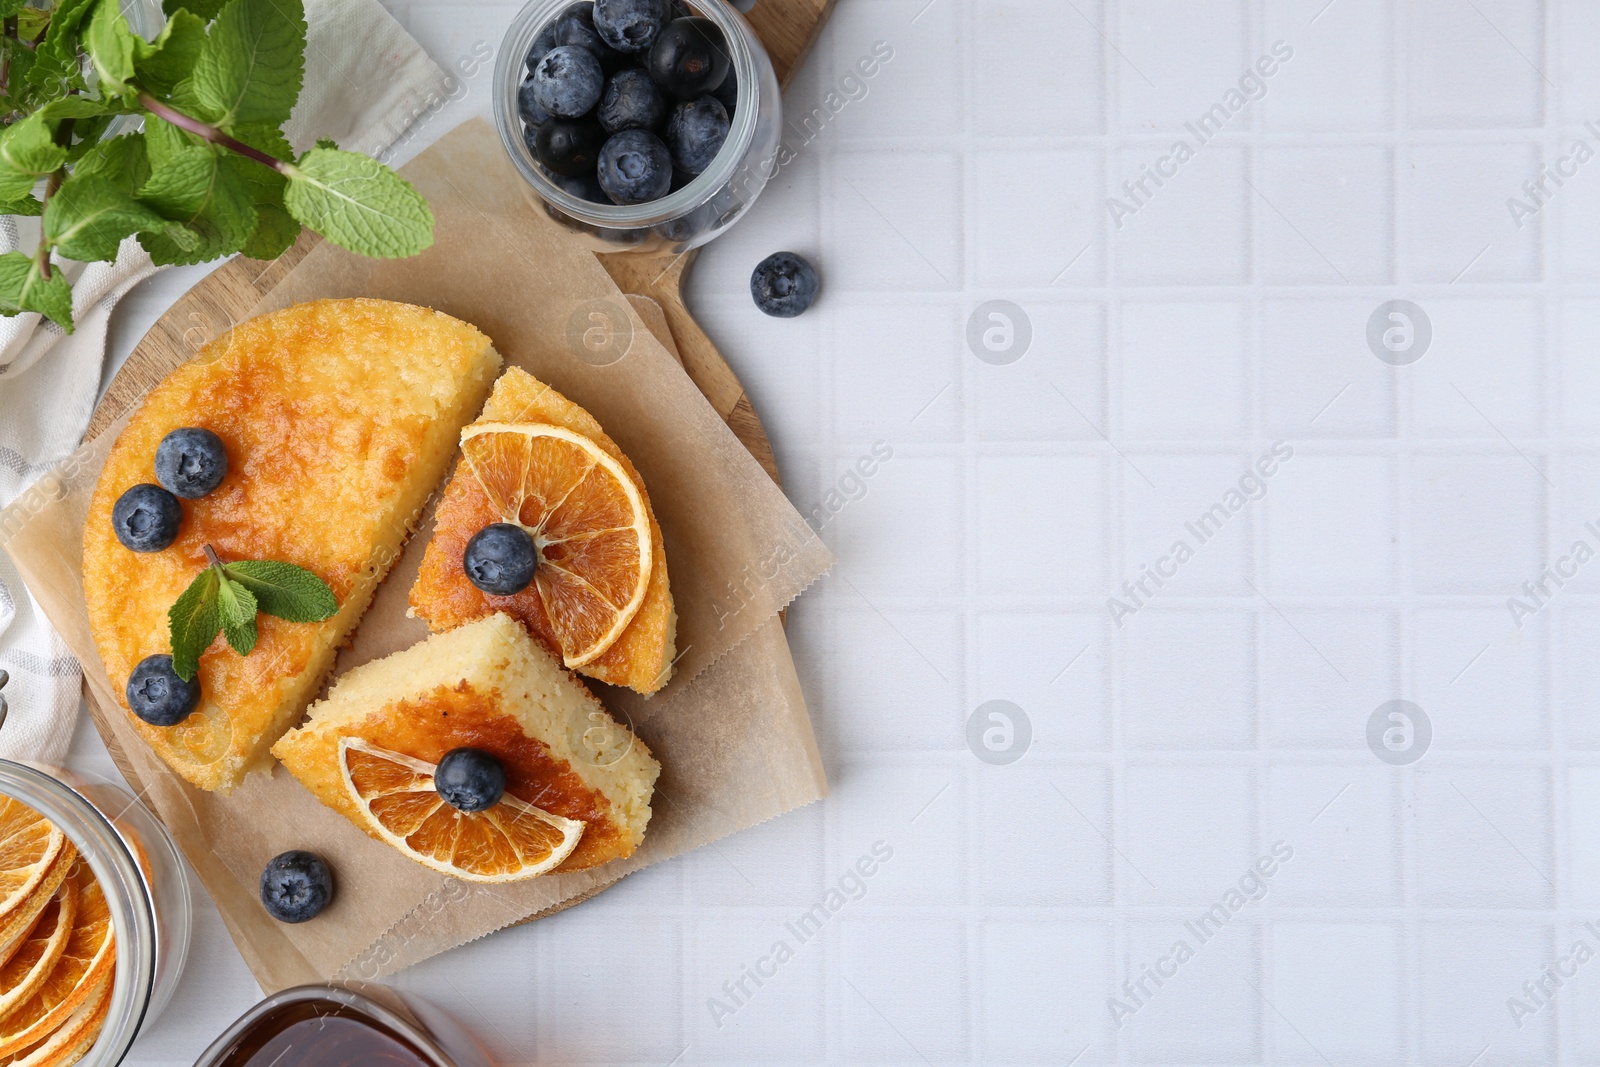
x=788, y=28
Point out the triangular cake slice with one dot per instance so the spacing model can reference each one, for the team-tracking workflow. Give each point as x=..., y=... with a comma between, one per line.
x=339, y=418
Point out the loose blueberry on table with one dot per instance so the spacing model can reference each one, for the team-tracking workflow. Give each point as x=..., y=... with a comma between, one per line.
x=146, y=518
x=470, y=779
x=296, y=886
x=784, y=285
x=158, y=696
x=500, y=559
x=603, y=73
x=191, y=462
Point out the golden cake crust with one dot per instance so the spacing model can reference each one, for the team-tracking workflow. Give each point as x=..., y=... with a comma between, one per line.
x=339, y=417
x=642, y=656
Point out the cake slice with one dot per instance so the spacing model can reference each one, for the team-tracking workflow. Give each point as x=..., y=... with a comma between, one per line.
x=339, y=418
x=369, y=749
x=537, y=460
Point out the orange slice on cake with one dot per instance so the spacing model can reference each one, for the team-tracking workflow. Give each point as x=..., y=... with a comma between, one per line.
x=395, y=795
x=588, y=521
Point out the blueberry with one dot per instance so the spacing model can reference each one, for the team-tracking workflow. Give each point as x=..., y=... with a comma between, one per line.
x=635, y=167
x=567, y=146
x=575, y=26
x=191, y=462
x=584, y=186
x=296, y=885
x=568, y=82
x=500, y=559
x=784, y=285
x=470, y=779
x=690, y=58
x=528, y=104
x=146, y=518
x=695, y=133
x=727, y=94
x=630, y=25
x=631, y=102
x=541, y=46
x=158, y=696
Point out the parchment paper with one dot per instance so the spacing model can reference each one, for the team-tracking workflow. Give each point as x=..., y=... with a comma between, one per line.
x=731, y=730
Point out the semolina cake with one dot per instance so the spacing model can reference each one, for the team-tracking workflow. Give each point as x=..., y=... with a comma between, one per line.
x=338, y=419
x=642, y=649
x=368, y=751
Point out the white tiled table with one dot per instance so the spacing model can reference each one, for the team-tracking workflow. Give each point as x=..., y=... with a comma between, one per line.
x=1229, y=712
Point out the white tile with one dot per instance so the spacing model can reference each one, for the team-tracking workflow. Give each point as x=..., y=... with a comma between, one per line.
x=918, y=812
x=638, y=962
x=1207, y=1011
x=1453, y=218
x=1583, y=836
x=1570, y=49
x=1567, y=211
x=748, y=980
x=904, y=991
x=1017, y=867
x=904, y=537
x=895, y=683
x=1339, y=77
x=1189, y=680
x=1174, y=544
x=1580, y=377
x=1477, y=521
x=1343, y=824
x=1192, y=231
x=1057, y=391
x=1175, y=62
x=1481, y=682
x=1053, y=666
x=1328, y=215
x=1475, y=65
x=1012, y=248
x=1483, y=837
x=1466, y=973
x=1570, y=565
x=1181, y=371
x=1323, y=671
x=915, y=92
x=877, y=238
x=1033, y=1014
x=1035, y=534
x=1578, y=674
x=896, y=376
x=774, y=864
x=1189, y=832
x=1329, y=523
x=1041, y=64
x=1318, y=378
x=1579, y=1000
x=1323, y=976
x=1482, y=372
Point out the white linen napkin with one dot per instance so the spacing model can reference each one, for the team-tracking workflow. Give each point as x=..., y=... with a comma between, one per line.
x=366, y=80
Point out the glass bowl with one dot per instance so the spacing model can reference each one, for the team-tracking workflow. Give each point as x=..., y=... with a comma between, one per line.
x=699, y=211
x=145, y=885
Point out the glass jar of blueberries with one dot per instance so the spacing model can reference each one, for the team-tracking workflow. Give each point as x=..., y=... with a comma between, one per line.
x=648, y=125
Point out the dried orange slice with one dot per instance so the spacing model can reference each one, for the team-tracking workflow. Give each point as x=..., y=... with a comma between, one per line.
x=25, y=972
x=14, y=930
x=506, y=843
x=588, y=521
x=86, y=963
x=29, y=844
x=73, y=1038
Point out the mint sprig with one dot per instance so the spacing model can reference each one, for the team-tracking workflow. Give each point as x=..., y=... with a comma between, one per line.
x=226, y=598
x=210, y=174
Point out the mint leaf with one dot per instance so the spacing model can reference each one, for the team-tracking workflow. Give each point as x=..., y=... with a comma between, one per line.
x=284, y=590
x=275, y=229
x=88, y=217
x=162, y=63
x=11, y=8
x=193, y=621
x=190, y=185
x=236, y=606
x=56, y=59
x=252, y=62
x=24, y=288
x=79, y=107
x=358, y=203
x=28, y=152
x=25, y=205
x=109, y=42
x=120, y=160
x=206, y=9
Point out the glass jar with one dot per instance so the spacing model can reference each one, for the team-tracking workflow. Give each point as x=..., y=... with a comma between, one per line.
x=143, y=878
x=699, y=211
x=327, y=1025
